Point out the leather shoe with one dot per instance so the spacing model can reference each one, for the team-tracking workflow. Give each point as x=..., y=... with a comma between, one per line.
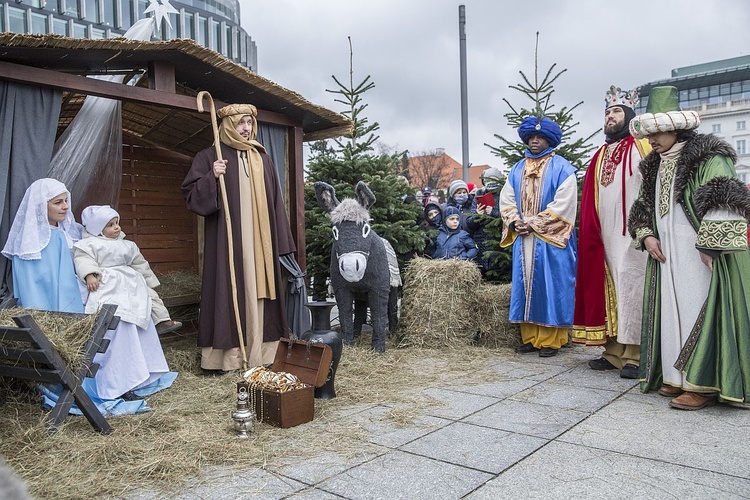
x=693, y=401
x=601, y=364
x=526, y=348
x=669, y=391
x=547, y=352
x=629, y=371
x=168, y=326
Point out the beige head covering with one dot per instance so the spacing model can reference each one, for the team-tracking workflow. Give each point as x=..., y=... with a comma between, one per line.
x=249, y=159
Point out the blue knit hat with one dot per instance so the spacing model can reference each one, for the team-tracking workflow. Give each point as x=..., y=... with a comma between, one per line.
x=450, y=210
x=546, y=128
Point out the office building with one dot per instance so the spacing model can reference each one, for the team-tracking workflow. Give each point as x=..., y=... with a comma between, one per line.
x=720, y=92
x=212, y=23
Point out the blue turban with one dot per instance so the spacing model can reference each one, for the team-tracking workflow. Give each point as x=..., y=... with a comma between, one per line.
x=547, y=129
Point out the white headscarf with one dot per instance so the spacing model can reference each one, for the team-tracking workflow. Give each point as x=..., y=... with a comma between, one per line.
x=96, y=217
x=31, y=230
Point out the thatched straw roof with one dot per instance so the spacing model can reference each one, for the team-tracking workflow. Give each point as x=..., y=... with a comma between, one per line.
x=196, y=68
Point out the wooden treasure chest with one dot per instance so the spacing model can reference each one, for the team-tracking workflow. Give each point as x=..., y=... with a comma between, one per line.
x=309, y=362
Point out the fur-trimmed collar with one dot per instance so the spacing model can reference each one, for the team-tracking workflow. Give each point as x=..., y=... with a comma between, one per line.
x=697, y=150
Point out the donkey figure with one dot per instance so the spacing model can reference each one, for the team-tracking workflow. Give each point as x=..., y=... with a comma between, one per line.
x=359, y=261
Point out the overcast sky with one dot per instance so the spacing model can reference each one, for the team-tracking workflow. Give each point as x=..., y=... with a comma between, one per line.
x=410, y=48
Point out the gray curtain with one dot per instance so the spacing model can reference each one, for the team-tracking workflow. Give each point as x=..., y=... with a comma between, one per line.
x=273, y=138
x=28, y=125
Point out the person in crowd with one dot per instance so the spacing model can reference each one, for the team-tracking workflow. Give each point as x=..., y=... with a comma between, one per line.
x=261, y=235
x=431, y=223
x=485, y=202
x=538, y=207
x=458, y=197
x=609, y=281
x=115, y=271
x=691, y=219
x=452, y=242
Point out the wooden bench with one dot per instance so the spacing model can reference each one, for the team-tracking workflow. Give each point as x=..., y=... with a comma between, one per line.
x=28, y=344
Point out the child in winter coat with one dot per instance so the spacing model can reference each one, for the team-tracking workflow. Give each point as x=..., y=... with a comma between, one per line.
x=115, y=271
x=453, y=242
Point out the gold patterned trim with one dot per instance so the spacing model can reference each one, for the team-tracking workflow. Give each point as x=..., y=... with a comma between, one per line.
x=509, y=215
x=641, y=234
x=552, y=228
x=666, y=179
x=722, y=235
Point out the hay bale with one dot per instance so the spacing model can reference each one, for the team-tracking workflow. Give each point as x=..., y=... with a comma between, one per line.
x=438, y=303
x=446, y=303
x=177, y=284
x=494, y=329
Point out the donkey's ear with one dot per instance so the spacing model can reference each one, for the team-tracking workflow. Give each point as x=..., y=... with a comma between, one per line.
x=364, y=195
x=326, y=196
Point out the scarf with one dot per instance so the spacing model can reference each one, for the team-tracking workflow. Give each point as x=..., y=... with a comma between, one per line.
x=250, y=161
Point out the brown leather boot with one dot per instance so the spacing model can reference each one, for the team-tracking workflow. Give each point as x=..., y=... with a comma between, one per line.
x=670, y=391
x=693, y=401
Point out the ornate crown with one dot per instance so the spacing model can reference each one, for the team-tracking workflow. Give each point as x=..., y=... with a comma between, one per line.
x=617, y=97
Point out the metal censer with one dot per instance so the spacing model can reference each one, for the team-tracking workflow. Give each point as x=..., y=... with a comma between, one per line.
x=243, y=416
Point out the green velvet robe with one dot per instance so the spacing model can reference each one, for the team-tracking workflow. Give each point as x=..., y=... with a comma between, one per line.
x=716, y=355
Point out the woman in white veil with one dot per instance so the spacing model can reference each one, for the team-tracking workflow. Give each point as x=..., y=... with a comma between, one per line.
x=39, y=244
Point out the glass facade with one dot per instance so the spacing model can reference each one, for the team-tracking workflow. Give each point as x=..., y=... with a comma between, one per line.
x=211, y=23
x=712, y=94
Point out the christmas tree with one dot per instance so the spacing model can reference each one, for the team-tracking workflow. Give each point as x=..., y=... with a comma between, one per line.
x=576, y=151
x=343, y=164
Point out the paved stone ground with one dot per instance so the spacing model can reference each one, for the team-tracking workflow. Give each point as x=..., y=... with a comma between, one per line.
x=549, y=428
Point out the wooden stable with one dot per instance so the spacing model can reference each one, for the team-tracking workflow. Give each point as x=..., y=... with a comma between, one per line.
x=162, y=129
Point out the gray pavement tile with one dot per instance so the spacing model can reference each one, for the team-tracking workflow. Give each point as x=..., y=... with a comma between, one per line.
x=644, y=425
x=562, y=470
x=526, y=368
x=481, y=448
x=527, y=418
x=218, y=483
x=454, y=404
x=313, y=470
x=313, y=493
x=387, y=432
x=583, y=376
x=398, y=475
x=566, y=396
x=500, y=389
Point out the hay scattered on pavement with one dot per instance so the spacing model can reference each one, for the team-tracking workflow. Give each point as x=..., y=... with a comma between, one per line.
x=447, y=304
x=189, y=428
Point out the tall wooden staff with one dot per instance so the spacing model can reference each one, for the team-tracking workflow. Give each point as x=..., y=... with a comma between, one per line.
x=227, y=218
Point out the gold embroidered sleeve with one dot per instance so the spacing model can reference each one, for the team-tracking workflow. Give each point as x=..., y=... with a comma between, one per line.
x=641, y=234
x=509, y=215
x=551, y=228
x=725, y=236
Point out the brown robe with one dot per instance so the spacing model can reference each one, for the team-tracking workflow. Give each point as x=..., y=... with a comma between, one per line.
x=216, y=324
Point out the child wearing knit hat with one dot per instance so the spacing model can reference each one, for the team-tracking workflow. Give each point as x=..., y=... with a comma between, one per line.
x=116, y=272
x=452, y=241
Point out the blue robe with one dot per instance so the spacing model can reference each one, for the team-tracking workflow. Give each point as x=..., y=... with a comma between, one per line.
x=49, y=283
x=550, y=300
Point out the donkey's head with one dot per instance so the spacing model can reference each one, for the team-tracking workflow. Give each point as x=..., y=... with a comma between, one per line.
x=352, y=236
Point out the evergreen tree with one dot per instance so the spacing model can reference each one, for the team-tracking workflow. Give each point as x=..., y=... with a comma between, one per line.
x=343, y=164
x=511, y=151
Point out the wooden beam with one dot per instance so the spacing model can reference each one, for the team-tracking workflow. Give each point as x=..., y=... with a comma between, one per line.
x=161, y=76
x=296, y=179
x=30, y=75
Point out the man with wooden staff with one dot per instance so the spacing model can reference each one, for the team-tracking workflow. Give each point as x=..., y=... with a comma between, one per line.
x=260, y=234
